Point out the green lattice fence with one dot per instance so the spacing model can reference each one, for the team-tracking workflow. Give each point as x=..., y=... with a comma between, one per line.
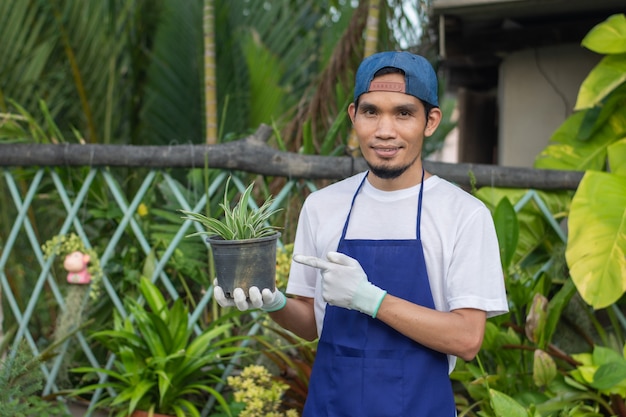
x=130, y=218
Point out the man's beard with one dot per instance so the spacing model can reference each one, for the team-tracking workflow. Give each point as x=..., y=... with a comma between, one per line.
x=389, y=173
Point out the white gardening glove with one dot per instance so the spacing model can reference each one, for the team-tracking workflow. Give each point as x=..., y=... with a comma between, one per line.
x=344, y=283
x=266, y=300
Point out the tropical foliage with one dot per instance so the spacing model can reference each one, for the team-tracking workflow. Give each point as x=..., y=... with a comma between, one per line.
x=593, y=140
x=564, y=258
x=138, y=77
x=160, y=365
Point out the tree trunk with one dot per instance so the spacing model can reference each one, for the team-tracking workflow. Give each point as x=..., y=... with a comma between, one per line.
x=210, y=82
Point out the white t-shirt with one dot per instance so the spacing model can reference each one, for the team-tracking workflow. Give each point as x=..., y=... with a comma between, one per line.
x=458, y=236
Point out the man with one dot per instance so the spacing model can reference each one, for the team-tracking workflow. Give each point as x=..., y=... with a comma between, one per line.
x=395, y=269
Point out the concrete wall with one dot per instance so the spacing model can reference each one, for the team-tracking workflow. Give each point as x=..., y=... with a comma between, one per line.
x=537, y=92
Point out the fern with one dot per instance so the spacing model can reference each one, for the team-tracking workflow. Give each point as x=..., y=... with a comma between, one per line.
x=21, y=381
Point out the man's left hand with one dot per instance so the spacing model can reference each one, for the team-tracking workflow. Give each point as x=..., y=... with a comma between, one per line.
x=344, y=283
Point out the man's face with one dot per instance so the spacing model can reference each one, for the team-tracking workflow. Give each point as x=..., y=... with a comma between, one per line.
x=391, y=127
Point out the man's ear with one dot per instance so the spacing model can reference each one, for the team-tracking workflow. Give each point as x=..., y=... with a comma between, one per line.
x=432, y=121
x=352, y=111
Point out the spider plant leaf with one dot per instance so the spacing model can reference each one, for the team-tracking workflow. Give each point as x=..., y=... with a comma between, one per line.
x=225, y=203
x=215, y=227
x=244, y=206
x=241, y=221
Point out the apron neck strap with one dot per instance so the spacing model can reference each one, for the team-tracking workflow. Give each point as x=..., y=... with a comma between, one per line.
x=345, y=226
x=419, y=207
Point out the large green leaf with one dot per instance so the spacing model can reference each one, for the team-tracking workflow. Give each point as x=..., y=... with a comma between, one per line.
x=566, y=152
x=608, y=37
x=609, y=74
x=597, y=238
x=596, y=117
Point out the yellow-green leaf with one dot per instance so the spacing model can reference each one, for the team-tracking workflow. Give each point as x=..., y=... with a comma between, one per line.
x=608, y=37
x=605, y=77
x=617, y=157
x=596, y=250
x=566, y=152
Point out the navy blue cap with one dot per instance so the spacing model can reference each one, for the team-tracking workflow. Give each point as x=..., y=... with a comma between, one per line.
x=419, y=76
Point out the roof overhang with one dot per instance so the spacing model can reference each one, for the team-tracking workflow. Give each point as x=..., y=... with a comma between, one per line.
x=474, y=35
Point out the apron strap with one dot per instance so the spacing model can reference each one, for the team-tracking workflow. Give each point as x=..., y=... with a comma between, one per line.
x=345, y=226
x=419, y=207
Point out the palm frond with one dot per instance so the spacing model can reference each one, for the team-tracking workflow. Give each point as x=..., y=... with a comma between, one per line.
x=172, y=112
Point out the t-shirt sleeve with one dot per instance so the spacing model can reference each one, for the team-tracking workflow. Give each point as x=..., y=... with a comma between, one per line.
x=475, y=277
x=302, y=278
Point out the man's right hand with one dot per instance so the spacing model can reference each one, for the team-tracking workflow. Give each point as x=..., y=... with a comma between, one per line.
x=266, y=300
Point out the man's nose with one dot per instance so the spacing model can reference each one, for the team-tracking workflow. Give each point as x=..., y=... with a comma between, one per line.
x=385, y=128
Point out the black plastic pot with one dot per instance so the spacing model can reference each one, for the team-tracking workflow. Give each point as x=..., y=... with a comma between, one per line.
x=245, y=263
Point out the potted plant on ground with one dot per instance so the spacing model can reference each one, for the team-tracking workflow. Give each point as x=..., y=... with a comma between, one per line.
x=160, y=368
x=243, y=243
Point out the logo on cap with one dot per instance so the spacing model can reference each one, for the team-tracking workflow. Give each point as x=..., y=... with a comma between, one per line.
x=387, y=86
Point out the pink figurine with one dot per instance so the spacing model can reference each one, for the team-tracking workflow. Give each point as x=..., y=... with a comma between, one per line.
x=76, y=265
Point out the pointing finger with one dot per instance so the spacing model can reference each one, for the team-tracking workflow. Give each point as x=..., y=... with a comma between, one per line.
x=311, y=261
x=342, y=259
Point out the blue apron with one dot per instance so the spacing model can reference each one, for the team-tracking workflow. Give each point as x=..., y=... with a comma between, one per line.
x=363, y=367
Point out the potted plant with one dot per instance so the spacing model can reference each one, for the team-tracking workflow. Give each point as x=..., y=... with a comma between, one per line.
x=160, y=368
x=243, y=243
